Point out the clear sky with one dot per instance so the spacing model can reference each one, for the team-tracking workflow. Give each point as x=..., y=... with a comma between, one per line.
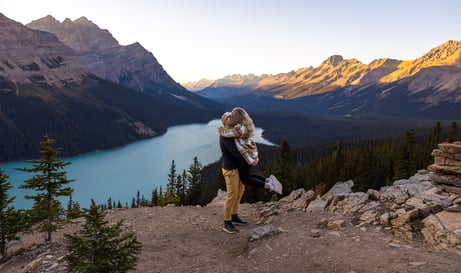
x=194, y=39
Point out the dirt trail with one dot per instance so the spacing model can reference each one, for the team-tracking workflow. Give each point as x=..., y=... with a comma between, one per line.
x=190, y=239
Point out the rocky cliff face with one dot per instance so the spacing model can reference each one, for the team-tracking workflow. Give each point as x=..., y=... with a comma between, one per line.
x=99, y=52
x=33, y=56
x=131, y=66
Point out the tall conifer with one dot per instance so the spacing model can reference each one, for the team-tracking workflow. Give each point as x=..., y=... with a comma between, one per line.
x=194, y=180
x=172, y=177
x=405, y=164
x=283, y=168
x=10, y=219
x=453, y=133
x=49, y=184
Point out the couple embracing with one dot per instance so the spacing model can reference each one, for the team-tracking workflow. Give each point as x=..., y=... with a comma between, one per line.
x=239, y=154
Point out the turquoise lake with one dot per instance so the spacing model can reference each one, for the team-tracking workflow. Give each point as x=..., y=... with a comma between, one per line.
x=142, y=166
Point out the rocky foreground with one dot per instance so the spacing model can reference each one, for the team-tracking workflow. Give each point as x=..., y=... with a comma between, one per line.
x=427, y=204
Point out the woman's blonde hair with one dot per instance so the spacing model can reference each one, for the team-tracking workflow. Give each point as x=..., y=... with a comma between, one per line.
x=239, y=115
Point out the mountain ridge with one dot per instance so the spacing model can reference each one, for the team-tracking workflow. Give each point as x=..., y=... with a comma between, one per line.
x=131, y=65
x=446, y=54
x=423, y=85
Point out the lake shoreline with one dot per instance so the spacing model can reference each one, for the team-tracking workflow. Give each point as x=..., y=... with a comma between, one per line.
x=143, y=166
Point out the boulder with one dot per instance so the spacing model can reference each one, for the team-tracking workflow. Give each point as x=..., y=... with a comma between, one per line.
x=443, y=231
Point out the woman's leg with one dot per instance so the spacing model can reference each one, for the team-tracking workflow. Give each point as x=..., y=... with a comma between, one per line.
x=250, y=179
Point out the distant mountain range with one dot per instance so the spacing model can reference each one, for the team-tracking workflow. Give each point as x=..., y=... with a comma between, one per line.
x=86, y=91
x=427, y=87
x=197, y=85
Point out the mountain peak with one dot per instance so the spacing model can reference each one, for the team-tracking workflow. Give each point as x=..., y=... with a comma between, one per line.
x=334, y=60
x=37, y=57
x=447, y=53
x=81, y=34
x=50, y=18
x=83, y=21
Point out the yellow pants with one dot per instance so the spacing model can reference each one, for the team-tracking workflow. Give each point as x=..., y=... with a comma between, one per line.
x=235, y=189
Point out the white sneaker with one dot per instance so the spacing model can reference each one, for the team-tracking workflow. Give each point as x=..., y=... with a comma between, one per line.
x=276, y=184
x=271, y=185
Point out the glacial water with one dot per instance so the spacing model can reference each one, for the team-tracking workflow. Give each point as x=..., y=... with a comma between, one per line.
x=141, y=166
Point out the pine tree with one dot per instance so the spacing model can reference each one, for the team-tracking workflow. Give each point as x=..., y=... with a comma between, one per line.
x=171, y=193
x=161, y=198
x=49, y=184
x=154, y=200
x=172, y=176
x=283, y=168
x=181, y=187
x=73, y=209
x=437, y=134
x=98, y=247
x=453, y=133
x=109, y=203
x=169, y=197
x=405, y=165
x=10, y=219
x=138, y=199
x=194, y=180
x=338, y=160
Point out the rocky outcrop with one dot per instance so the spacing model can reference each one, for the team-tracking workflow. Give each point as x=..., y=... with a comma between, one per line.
x=409, y=208
x=447, y=167
x=420, y=206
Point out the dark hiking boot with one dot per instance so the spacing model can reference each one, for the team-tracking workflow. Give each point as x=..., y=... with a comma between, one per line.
x=236, y=220
x=229, y=227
